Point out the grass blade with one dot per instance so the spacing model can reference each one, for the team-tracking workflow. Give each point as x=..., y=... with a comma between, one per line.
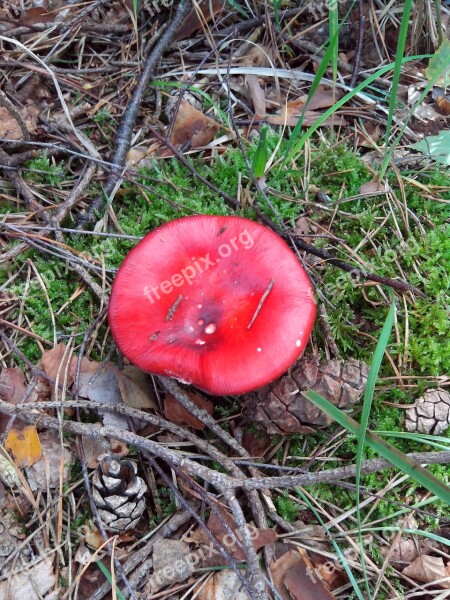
x=395, y=457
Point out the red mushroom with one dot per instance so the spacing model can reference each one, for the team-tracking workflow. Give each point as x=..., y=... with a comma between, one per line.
x=219, y=302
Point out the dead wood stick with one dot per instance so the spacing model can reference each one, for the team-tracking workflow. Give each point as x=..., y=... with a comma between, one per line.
x=218, y=480
x=125, y=130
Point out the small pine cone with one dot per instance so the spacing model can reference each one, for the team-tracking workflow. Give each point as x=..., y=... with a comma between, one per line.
x=118, y=493
x=281, y=408
x=431, y=413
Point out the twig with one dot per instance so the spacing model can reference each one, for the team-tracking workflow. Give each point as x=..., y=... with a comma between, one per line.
x=359, y=44
x=221, y=481
x=248, y=24
x=261, y=303
x=125, y=130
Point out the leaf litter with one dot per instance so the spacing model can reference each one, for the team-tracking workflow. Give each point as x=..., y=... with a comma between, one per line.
x=254, y=96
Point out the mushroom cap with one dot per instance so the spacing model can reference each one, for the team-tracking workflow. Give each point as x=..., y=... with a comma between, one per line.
x=218, y=302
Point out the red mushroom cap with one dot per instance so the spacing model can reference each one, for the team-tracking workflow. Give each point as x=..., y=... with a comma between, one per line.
x=219, y=302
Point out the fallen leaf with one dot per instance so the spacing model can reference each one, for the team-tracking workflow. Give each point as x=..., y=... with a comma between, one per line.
x=427, y=569
x=295, y=578
x=93, y=536
x=367, y=137
x=56, y=360
x=93, y=449
x=231, y=541
x=192, y=126
x=12, y=390
x=176, y=413
x=135, y=388
x=257, y=95
x=35, y=15
x=45, y=472
x=257, y=55
x=12, y=385
x=256, y=442
x=88, y=368
x=305, y=583
x=223, y=585
x=9, y=128
x=105, y=383
x=103, y=387
x=372, y=187
x=171, y=564
x=24, y=445
x=303, y=229
x=32, y=583
x=442, y=100
x=291, y=111
x=192, y=22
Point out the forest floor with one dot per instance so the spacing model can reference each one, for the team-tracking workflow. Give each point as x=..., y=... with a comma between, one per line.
x=329, y=125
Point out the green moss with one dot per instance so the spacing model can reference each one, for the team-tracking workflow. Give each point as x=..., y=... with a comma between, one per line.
x=287, y=508
x=44, y=170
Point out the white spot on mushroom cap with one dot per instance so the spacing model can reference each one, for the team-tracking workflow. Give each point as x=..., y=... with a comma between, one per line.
x=210, y=328
x=298, y=343
x=258, y=349
x=200, y=342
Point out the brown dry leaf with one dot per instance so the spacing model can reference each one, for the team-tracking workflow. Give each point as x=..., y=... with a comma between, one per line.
x=34, y=583
x=88, y=368
x=192, y=126
x=12, y=385
x=304, y=583
x=44, y=473
x=427, y=569
x=303, y=229
x=24, y=445
x=173, y=411
x=35, y=15
x=295, y=578
x=257, y=56
x=55, y=360
x=135, y=388
x=9, y=128
x=141, y=155
x=260, y=537
x=93, y=449
x=223, y=585
x=93, y=536
x=367, y=137
x=13, y=390
x=372, y=187
x=402, y=551
x=323, y=98
x=192, y=22
x=291, y=111
x=257, y=95
x=256, y=442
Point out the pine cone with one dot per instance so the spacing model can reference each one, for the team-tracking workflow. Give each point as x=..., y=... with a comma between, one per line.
x=281, y=408
x=431, y=414
x=118, y=493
